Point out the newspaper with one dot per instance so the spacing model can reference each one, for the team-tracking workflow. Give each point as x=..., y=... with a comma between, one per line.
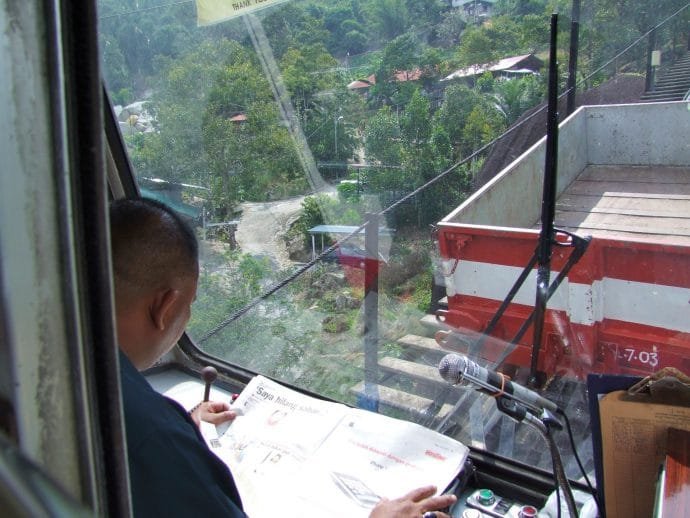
x=293, y=455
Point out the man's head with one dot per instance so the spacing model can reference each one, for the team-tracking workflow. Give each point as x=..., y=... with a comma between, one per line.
x=155, y=268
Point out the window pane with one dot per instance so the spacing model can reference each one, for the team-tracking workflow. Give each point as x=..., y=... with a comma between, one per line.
x=347, y=165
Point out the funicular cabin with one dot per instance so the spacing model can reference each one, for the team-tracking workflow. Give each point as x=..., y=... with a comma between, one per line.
x=371, y=332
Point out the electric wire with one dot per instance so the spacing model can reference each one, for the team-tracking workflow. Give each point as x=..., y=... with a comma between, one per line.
x=143, y=9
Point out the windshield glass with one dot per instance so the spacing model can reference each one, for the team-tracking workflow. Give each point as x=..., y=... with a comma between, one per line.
x=366, y=178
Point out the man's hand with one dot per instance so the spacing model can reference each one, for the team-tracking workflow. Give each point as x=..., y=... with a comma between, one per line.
x=414, y=504
x=214, y=412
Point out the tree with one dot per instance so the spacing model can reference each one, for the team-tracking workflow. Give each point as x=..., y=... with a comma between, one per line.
x=520, y=7
x=382, y=138
x=475, y=47
x=292, y=26
x=198, y=142
x=458, y=102
x=389, y=18
x=330, y=126
x=142, y=39
x=402, y=54
x=425, y=12
x=307, y=70
x=484, y=123
x=347, y=33
x=415, y=124
x=519, y=95
x=450, y=28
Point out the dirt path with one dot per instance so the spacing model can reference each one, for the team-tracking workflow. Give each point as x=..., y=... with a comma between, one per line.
x=263, y=225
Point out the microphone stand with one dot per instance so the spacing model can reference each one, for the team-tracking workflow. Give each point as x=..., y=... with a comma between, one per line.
x=544, y=425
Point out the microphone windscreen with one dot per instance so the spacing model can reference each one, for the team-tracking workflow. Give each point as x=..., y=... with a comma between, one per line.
x=451, y=368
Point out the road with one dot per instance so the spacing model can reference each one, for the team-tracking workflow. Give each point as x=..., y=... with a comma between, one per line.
x=262, y=226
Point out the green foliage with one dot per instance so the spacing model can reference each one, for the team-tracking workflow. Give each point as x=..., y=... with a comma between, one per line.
x=521, y=7
x=458, y=102
x=303, y=71
x=330, y=125
x=313, y=208
x=292, y=26
x=475, y=47
x=519, y=95
x=347, y=33
x=421, y=290
x=485, y=82
x=390, y=18
x=484, y=123
x=122, y=97
x=219, y=295
x=400, y=55
x=450, y=28
x=348, y=192
x=382, y=138
x=415, y=124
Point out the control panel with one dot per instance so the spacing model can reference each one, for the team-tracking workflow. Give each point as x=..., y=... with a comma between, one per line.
x=490, y=504
x=484, y=503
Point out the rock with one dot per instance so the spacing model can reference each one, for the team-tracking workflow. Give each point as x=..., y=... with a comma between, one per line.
x=345, y=301
x=135, y=118
x=335, y=324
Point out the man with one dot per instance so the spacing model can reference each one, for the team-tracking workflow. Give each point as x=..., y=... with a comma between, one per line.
x=172, y=471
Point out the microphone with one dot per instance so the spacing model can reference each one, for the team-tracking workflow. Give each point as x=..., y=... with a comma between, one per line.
x=455, y=368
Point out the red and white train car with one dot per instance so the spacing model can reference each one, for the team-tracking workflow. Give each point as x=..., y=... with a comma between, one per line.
x=625, y=305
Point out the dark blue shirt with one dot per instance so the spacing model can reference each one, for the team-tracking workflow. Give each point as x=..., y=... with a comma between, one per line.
x=172, y=471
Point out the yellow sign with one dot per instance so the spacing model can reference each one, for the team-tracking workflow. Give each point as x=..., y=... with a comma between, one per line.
x=209, y=12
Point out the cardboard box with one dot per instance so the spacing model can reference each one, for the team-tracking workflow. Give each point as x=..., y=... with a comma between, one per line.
x=633, y=432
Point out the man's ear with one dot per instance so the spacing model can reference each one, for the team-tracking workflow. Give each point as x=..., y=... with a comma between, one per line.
x=162, y=307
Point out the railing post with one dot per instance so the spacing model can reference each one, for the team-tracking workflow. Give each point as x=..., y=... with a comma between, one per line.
x=572, y=60
x=649, y=77
x=369, y=398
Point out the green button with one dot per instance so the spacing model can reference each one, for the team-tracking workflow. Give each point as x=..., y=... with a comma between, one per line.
x=486, y=497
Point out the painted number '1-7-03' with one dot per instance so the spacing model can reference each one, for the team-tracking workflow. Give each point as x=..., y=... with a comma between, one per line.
x=631, y=355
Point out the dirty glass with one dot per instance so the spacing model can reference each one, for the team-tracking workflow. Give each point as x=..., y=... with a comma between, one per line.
x=366, y=179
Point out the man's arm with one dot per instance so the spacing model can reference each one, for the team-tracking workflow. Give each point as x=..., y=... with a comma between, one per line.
x=174, y=474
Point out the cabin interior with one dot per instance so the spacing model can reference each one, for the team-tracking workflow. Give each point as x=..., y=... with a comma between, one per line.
x=623, y=180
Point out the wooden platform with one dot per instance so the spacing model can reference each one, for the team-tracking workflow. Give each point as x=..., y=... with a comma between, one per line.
x=642, y=203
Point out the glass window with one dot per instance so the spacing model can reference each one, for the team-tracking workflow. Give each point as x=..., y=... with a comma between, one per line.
x=363, y=184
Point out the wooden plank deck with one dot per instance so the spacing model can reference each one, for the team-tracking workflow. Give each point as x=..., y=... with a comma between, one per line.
x=643, y=203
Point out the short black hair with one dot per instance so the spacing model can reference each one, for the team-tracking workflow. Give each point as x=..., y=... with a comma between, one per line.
x=151, y=245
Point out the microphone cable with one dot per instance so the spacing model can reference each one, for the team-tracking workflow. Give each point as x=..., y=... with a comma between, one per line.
x=577, y=459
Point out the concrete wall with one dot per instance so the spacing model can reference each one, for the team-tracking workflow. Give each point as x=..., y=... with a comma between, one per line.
x=633, y=134
x=513, y=197
x=639, y=134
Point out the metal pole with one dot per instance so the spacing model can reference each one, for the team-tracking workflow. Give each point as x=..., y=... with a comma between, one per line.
x=649, y=78
x=572, y=60
x=548, y=204
x=369, y=399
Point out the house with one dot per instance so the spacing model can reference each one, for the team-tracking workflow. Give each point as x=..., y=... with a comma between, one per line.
x=238, y=118
x=475, y=9
x=402, y=76
x=362, y=85
x=506, y=67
